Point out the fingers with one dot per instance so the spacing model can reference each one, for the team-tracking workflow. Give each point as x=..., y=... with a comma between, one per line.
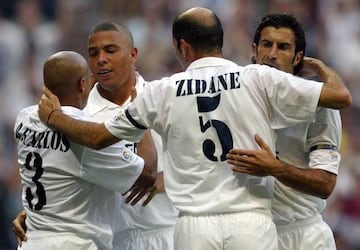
x=48, y=93
x=262, y=143
x=242, y=170
x=133, y=93
x=135, y=196
x=19, y=237
x=151, y=195
x=19, y=228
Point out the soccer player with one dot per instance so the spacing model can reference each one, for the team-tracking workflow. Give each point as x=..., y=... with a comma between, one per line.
x=308, y=153
x=67, y=187
x=202, y=113
x=112, y=57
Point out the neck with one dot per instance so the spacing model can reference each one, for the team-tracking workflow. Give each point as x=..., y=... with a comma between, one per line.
x=118, y=96
x=198, y=56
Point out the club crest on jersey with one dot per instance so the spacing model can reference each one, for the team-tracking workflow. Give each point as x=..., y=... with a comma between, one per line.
x=127, y=155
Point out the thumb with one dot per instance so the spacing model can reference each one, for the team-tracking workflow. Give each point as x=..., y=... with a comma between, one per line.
x=261, y=143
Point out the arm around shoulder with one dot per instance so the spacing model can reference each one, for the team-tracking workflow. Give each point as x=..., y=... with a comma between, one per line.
x=90, y=134
x=334, y=93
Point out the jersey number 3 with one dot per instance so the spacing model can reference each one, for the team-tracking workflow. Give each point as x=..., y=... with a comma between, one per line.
x=208, y=104
x=34, y=162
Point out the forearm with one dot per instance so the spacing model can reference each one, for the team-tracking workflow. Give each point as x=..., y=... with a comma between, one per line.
x=147, y=150
x=315, y=182
x=93, y=135
x=336, y=95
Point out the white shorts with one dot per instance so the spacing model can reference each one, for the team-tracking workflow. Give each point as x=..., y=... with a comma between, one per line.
x=56, y=241
x=234, y=231
x=309, y=234
x=157, y=239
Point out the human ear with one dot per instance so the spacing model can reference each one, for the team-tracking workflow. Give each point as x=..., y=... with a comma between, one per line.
x=298, y=57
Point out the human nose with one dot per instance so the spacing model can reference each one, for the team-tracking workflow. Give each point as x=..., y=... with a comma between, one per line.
x=273, y=51
x=102, y=58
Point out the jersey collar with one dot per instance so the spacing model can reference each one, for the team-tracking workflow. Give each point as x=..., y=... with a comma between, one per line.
x=208, y=62
x=97, y=103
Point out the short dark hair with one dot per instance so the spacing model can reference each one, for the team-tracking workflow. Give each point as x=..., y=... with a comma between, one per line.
x=109, y=26
x=202, y=37
x=284, y=20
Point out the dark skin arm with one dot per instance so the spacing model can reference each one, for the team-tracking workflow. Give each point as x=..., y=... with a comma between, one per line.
x=158, y=187
x=147, y=150
x=262, y=162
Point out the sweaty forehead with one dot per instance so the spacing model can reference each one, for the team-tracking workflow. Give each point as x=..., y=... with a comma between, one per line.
x=280, y=35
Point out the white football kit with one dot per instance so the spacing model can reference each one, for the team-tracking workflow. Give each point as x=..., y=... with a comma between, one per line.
x=137, y=227
x=202, y=113
x=66, y=187
x=298, y=215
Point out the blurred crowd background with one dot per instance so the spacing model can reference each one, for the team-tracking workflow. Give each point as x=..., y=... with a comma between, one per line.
x=31, y=30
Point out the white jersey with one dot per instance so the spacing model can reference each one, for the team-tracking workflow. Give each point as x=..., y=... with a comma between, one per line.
x=160, y=212
x=213, y=106
x=66, y=186
x=307, y=145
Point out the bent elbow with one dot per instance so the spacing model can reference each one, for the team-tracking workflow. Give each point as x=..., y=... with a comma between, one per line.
x=325, y=195
x=344, y=100
x=348, y=100
x=327, y=191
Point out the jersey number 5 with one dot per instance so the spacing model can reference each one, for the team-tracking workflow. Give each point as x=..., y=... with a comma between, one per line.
x=208, y=104
x=34, y=162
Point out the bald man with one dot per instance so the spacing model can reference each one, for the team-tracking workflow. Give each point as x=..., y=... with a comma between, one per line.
x=202, y=113
x=68, y=190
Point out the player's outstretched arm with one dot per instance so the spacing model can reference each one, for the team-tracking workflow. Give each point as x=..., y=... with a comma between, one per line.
x=94, y=135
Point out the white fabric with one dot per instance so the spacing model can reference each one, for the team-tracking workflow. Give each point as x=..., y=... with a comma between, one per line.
x=65, y=186
x=310, y=234
x=293, y=146
x=155, y=239
x=234, y=231
x=201, y=113
x=160, y=212
x=56, y=241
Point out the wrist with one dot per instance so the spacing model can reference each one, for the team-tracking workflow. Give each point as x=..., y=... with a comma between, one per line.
x=51, y=115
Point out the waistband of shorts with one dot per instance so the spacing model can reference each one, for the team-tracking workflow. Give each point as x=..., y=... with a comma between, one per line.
x=40, y=235
x=148, y=232
x=298, y=224
x=255, y=211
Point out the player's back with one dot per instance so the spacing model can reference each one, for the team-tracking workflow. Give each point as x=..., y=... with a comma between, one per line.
x=211, y=114
x=213, y=106
x=55, y=198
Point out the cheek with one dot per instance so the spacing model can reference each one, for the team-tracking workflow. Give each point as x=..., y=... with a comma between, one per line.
x=93, y=65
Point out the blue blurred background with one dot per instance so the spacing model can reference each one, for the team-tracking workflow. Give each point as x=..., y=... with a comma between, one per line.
x=31, y=30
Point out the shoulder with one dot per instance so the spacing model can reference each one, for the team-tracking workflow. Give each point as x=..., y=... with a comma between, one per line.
x=28, y=111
